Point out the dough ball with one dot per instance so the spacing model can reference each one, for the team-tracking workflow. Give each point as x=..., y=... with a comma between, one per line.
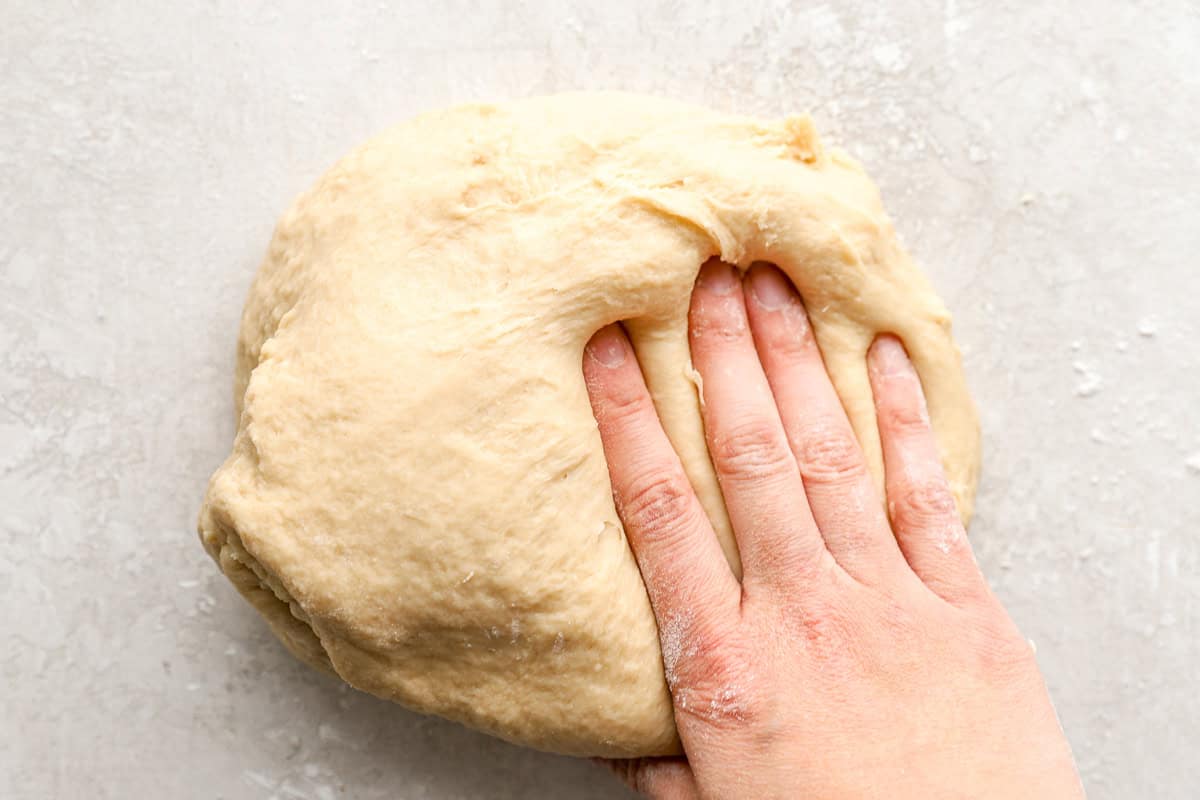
x=417, y=499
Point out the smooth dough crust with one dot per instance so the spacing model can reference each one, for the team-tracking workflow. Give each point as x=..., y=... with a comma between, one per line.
x=417, y=498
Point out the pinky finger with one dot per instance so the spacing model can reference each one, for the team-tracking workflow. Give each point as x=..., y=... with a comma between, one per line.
x=921, y=506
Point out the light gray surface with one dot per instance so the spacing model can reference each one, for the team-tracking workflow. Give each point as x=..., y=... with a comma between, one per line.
x=1041, y=161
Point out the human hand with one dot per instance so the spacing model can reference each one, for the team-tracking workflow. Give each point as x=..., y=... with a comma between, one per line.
x=858, y=656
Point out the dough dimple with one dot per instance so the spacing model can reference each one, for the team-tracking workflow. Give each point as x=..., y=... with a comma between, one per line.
x=417, y=497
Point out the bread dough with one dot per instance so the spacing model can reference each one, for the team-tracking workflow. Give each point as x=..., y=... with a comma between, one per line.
x=417, y=498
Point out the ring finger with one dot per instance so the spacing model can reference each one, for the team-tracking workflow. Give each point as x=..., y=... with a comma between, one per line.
x=843, y=498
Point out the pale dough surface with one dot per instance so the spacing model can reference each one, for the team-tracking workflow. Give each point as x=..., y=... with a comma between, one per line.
x=417, y=497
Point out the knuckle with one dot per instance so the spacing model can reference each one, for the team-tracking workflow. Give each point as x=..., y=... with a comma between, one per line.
x=753, y=448
x=720, y=319
x=622, y=403
x=658, y=504
x=720, y=328
x=823, y=627
x=713, y=681
x=897, y=622
x=644, y=779
x=1000, y=649
x=922, y=501
x=905, y=416
x=830, y=455
x=821, y=617
x=791, y=341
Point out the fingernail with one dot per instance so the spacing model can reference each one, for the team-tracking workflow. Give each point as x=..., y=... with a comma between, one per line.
x=890, y=358
x=717, y=277
x=607, y=348
x=770, y=288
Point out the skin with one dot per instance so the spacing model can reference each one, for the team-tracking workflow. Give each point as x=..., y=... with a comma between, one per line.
x=862, y=653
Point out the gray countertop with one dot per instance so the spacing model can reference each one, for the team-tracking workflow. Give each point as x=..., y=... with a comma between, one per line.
x=1041, y=160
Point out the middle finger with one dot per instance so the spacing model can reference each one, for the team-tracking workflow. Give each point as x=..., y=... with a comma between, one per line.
x=776, y=535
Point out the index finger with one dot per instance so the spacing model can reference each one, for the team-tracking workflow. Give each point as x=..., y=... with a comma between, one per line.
x=682, y=564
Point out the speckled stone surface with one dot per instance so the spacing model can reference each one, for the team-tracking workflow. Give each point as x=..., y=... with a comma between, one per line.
x=1041, y=160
